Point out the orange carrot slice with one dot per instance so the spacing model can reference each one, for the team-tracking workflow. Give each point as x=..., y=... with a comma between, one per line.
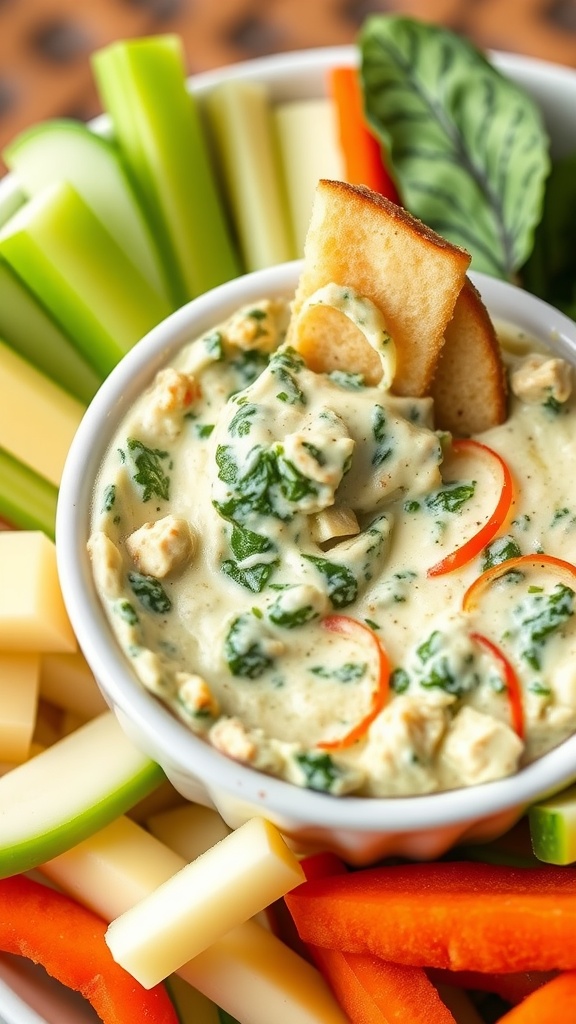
x=476, y=590
x=361, y=151
x=513, y=688
x=357, y=630
x=458, y=915
x=466, y=552
x=49, y=928
x=550, y=1004
x=511, y=987
x=372, y=991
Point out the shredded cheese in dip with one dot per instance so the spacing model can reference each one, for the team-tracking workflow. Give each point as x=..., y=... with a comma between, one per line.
x=246, y=498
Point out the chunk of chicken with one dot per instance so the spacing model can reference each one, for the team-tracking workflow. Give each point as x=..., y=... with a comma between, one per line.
x=171, y=395
x=538, y=378
x=160, y=548
x=479, y=748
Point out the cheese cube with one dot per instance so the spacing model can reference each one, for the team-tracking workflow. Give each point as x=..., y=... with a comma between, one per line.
x=67, y=681
x=32, y=612
x=38, y=419
x=237, y=878
x=19, y=678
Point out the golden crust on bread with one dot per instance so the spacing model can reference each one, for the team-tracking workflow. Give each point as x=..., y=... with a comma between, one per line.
x=469, y=387
x=360, y=239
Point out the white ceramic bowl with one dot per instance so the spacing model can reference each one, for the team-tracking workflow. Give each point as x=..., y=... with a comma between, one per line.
x=360, y=829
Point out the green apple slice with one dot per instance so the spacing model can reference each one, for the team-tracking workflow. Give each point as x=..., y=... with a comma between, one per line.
x=240, y=119
x=70, y=791
x=31, y=331
x=68, y=259
x=157, y=125
x=27, y=500
x=66, y=150
x=553, y=828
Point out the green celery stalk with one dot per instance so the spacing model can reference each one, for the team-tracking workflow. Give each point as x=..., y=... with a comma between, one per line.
x=157, y=126
x=27, y=500
x=31, y=331
x=66, y=150
x=67, y=258
x=240, y=119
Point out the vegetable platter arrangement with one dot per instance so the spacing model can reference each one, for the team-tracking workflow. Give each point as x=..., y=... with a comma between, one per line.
x=104, y=231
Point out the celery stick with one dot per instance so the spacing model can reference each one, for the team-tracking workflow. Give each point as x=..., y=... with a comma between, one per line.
x=240, y=119
x=66, y=150
x=27, y=500
x=157, y=125
x=73, y=265
x=309, y=150
x=30, y=330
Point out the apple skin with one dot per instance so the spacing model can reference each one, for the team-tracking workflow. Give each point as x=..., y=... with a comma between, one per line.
x=70, y=791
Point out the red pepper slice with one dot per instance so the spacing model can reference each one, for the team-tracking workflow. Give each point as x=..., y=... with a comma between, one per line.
x=513, y=688
x=474, y=592
x=347, y=626
x=51, y=929
x=464, y=554
x=361, y=151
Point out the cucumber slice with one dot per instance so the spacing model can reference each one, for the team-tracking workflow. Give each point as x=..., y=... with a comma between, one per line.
x=27, y=500
x=68, y=259
x=553, y=828
x=157, y=125
x=66, y=150
x=69, y=792
x=240, y=119
x=32, y=332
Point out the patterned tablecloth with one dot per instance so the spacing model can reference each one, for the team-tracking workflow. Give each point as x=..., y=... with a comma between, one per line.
x=45, y=45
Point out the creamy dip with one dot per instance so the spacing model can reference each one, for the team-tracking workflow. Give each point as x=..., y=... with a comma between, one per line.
x=261, y=540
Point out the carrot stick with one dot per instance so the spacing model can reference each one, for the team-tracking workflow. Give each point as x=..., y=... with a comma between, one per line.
x=49, y=928
x=458, y=915
x=372, y=991
x=550, y=1004
x=361, y=151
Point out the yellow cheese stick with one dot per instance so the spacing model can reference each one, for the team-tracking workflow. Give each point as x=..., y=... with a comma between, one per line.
x=250, y=973
x=245, y=872
x=189, y=830
x=19, y=676
x=67, y=681
x=309, y=150
x=32, y=612
x=38, y=419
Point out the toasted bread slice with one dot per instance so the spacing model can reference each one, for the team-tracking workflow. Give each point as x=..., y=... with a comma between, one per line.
x=360, y=239
x=469, y=387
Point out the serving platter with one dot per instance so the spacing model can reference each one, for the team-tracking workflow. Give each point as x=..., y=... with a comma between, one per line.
x=27, y=996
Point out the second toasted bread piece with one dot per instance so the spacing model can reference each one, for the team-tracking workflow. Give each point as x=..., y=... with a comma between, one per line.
x=360, y=239
x=469, y=387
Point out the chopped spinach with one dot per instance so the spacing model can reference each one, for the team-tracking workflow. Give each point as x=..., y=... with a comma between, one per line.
x=350, y=381
x=149, y=470
x=292, y=393
x=245, y=544
x=203, y=430
x=243, y=650
x=214, y=345
x=449, y=498
x=241, y=423
x=253, y=577
x=384, y=443
x=150, y=592
x=430, y=646
x=399, y=680
x=287, y=359
x=126, y=611
x=109, y=498
x=290, y=618
x=538, y=617
x=349, y=672
x=248, y=366
x=320, y=771
x=342, y=586
x=499, y=550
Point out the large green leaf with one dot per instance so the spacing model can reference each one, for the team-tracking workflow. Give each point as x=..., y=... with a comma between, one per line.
x=551, y=270
x=467, y=146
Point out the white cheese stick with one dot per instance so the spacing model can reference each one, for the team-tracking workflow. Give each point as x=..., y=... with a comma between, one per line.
x=224, y=887
x=309, y=150
x=189, y=830
x=19, y=675
x=32, y=612
x=250, y=973
x=67, y=681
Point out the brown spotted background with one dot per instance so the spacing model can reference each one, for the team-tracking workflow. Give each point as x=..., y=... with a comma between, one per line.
x=45, y=45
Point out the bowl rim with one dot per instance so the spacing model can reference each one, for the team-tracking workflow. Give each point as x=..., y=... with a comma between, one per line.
x=149, y=717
